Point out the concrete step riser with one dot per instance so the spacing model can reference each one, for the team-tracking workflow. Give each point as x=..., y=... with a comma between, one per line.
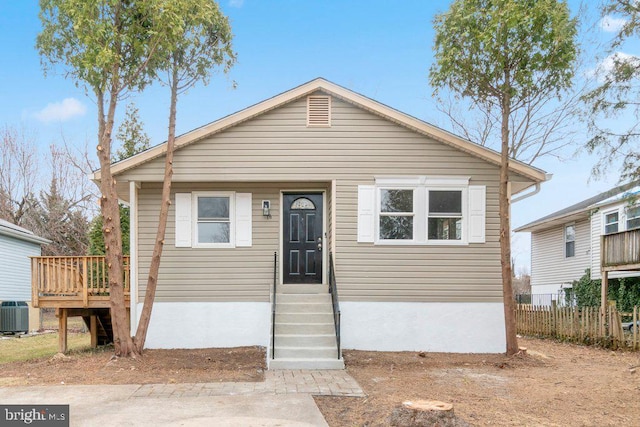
x=306, y=364
x=303, y=298
x=303, y=289
x=304, y=308
x=306, y=341
x=306, y=353
x=304, y=318
x=305, y=329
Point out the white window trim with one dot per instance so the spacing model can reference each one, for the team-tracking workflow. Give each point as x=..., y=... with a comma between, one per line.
x=232, y=218
x=626, y=217
x=421, y=185
x=377, y=214
x=622, y=223
x=465, y=214
x=575, y=232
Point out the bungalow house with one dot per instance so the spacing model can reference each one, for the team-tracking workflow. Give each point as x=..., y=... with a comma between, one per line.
x=17, y=244
x=566, y=243
x=314, y=187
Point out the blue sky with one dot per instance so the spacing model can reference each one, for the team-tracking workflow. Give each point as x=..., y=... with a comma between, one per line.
x=381, y=49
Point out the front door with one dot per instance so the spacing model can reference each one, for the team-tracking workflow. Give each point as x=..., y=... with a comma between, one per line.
x=302, y=235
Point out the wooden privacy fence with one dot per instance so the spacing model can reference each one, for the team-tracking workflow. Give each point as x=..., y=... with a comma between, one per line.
x=70, y=278
x=584, y=325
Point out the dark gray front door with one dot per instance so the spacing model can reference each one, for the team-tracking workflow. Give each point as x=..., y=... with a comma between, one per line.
x=302, y=245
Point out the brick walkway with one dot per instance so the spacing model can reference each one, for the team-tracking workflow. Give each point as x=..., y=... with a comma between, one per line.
x=319, y=383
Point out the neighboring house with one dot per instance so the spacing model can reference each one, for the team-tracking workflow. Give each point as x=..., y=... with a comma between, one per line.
x=408, y=212
x=16, y=246
x=567, y=242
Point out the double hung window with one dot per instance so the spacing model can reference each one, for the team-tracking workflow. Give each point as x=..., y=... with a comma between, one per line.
x=445, y=215
x=214, y=219
x=633, y=218
x=396, y=214
x=611, y=221
x=570, y=241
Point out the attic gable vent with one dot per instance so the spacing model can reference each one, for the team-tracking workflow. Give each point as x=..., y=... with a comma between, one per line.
x=319, y=111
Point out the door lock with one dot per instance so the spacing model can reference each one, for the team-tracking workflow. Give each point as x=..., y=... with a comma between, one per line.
x=320, y=244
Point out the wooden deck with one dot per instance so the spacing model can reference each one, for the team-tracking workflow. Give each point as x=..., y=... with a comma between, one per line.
x=620, y=251
x=76, y=286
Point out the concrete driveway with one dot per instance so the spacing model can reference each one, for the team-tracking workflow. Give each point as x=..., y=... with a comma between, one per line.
x=283, y=399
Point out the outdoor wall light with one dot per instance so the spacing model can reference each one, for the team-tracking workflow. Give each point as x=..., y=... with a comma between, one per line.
x=266, y=208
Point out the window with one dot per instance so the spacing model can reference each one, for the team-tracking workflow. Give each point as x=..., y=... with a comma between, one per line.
x=633, y=217
x=213, y=219
x=611, y=223
x=421, y=210
x=445, y=215
x=396, y=214
x=570, y=241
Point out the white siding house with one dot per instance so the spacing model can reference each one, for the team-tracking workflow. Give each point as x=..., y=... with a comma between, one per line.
x=566, y=243
x=16, y=246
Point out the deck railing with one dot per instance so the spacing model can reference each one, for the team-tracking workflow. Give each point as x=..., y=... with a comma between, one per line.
x=72, y=278
x=620, y=249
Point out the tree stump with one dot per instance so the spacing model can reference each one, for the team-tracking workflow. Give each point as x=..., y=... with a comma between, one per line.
x=425, y=413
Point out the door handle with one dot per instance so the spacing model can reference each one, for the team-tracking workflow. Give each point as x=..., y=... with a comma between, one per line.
x=320, y=244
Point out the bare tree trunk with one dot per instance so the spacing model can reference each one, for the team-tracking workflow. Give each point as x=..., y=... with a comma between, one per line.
x=152, y=281
x=112, y=231
x=505, y=233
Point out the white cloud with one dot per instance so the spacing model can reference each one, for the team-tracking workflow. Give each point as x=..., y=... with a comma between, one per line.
x=236, y=3
x=605, y=66
x=612, y=24
x=61, y=111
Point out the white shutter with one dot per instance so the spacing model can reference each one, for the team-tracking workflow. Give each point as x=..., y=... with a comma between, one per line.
x=243, y=220
x=183, y=220
x=477, y=213
x=366, y=213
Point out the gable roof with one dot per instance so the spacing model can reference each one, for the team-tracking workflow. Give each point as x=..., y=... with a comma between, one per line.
x=582, y=209
x=12, y=230
x=320, y=84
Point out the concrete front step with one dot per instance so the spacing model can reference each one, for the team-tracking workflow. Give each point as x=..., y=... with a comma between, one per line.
x=297, y=307
x=313, y=363
x=306, y=352
x=304, y=318
x=305, y=328
x=323, y=298
x=302, y=289
x=311, y=341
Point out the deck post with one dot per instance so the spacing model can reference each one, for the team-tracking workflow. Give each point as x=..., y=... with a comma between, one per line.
x=62, y=330
x=93, y=328
x=603, y=302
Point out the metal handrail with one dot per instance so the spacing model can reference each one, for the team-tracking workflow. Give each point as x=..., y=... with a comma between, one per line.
x=273, y=307
x=333, y=290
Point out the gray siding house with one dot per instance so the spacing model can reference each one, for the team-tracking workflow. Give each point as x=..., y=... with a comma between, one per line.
x=566, y=243
x=16, y=246
x=405, y=212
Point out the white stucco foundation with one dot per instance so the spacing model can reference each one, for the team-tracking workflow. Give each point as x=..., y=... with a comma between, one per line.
x=208, y=324
x=436, y=327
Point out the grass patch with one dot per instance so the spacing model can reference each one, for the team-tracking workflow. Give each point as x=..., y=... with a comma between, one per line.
x=37, y=346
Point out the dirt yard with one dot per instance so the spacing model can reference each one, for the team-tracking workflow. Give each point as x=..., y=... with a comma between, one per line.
x=554, y=384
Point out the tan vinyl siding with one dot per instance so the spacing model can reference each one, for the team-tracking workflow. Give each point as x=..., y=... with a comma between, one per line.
x=549, y=266
x=204, y=274
x=278, y=146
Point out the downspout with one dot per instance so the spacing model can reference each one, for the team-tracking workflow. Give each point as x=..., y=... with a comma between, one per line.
x=532, y=193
